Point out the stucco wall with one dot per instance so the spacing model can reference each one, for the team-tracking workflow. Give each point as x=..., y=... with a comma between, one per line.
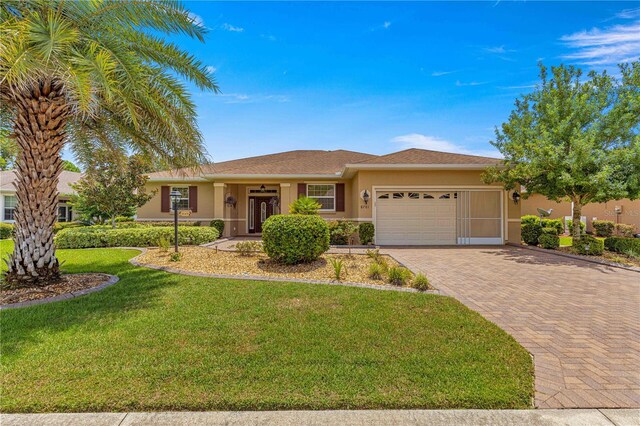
x=600, y=211
x=151, y=210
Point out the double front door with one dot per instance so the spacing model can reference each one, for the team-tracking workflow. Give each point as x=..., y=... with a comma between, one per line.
x=260, y=209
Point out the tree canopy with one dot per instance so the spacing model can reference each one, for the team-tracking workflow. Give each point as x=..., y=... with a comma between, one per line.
x=575, y=136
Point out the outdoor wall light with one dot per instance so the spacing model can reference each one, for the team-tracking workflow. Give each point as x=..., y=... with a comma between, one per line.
x=365, y=196
x=230, y=200
x=515, y=197
x=262, y=188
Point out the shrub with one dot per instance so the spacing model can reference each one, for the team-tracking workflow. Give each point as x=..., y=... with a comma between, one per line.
x=397, y=275
x=134, y=237
x=295, y=238
x=366, y=232
x=219, y=225
x=341, y=231
x=624, y=230
x=374, y=255
x=166, y=223
x=176, y=256
x=569, y=223
x=553, y=223
x=6, y=230
x=530, y=229
x=248, y=248
x=549, y=240
x=622, y=245
x=163, y=243
x=589, y=245
x=420, y=282
x=304, y=205
x=376, y=271
x=603, y=228
x=124, y=219
x=548, y=231
x=338, y=265
x=59, y=226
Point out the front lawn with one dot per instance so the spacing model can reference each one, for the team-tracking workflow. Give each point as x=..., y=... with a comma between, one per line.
x=159, y=341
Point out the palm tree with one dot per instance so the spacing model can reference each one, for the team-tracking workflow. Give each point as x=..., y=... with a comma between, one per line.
x=91, y=74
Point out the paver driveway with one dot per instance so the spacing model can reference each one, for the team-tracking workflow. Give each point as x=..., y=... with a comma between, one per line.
x=580, y=320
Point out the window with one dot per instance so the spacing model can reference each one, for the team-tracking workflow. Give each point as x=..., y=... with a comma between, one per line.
x=62, y=213
x=383, y=196
x=398, y=195
x=183, y=201
x=324, y=194
x=429, y=196
x=414, y=195
x=10, y=202
x=445, y=196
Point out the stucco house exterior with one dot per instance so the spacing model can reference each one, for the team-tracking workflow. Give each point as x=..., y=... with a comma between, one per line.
x=618, y=211
x=413, y=197
x=8, y=198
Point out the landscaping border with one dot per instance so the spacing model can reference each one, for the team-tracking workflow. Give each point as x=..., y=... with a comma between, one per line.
x=66, y=296
x=134, y=262
x=577, y=257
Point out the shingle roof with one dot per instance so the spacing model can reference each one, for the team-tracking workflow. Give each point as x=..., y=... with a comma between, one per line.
x=317, y=162
x=301, y=162
x=425, y=156
x=64, y=184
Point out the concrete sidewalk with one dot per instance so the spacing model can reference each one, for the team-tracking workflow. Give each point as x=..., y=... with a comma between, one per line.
x=592, y=417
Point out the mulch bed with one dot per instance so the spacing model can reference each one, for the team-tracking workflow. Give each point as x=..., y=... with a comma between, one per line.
x=69, y=284
x=211, y=261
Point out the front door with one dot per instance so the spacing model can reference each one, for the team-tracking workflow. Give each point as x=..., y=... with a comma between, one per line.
x=259, y=210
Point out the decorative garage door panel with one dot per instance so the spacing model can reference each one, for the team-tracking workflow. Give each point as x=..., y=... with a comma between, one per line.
x=415, y=218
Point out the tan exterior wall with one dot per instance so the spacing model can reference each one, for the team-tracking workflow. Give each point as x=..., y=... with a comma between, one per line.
x=594, y=211
x=151, y=210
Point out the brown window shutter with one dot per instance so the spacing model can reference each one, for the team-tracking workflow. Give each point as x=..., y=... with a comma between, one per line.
x=302, y=189
x=193, y=198
x=165, y=199
x=339, y=197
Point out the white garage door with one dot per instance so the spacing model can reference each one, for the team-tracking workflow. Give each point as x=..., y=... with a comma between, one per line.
x=415, y=218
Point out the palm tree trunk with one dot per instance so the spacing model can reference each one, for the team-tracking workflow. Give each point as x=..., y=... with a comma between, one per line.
x=39, y=126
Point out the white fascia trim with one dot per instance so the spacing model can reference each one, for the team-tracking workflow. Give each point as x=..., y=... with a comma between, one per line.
x=178, y=179
x=273, y=176
x=418, y=166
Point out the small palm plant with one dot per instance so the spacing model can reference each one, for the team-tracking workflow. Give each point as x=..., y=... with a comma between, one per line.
x=304, y=205
x=92, y=74
x=338, y=266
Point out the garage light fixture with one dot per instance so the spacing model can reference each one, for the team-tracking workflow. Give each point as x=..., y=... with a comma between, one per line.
x=365, y=196
x=515, y=197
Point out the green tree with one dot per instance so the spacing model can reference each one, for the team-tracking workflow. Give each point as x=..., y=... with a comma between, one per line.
x=114, y=185
x=574, y=137
x=8, y=150
x=69, y=166
x=91, y=74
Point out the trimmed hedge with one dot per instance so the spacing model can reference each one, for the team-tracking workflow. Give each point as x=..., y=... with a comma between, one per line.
x=596, y=246
x=553, y=223
x=603, y=228
x=531, y=229
x=366, y=232
x=341, y=231
x=168, y=223
x=131, y=237
x=6, y=230
x=569, y=223
x=219, y=225
x=622, y=244
x=59, y=226
x=295, y=238
x=624, y=230
x=549, y=240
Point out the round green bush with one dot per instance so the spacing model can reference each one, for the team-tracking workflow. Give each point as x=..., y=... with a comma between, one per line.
x=556, y=224
x=549, y=240
x=531, y=229
x=6, y=230
x=366, y=231
x=294, y=238
x=603, y=228
x=595, y=245
x=219, y=225
x=73, y=238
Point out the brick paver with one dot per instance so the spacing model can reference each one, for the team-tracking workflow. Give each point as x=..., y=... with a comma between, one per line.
x=580, y=320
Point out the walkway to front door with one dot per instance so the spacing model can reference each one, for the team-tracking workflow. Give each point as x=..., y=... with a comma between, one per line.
x=580, y=320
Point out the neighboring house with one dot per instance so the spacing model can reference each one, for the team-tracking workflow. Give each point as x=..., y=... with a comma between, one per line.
x=413, y=197
x=620, y=211
x=8, y=195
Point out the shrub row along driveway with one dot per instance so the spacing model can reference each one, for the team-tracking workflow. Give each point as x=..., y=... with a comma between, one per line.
x=580, y=320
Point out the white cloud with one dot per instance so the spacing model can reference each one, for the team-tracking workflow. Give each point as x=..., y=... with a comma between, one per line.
x=603, y=47
x=243, y=98
x=470, y=83
x=232, y=28
x=434, y=143
x=211, y=69
x=524, y=86
x=441, y=73
x=386, y=25
x=629, y=13
x=498, y=50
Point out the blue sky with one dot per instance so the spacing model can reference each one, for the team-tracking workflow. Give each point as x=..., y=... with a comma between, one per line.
x=380, y=77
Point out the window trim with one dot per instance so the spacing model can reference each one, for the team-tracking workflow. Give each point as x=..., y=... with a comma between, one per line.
x=171, y=188
x=333, y=197
x=12, y=208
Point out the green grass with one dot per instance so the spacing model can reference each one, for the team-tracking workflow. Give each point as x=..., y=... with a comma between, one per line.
x=159, y=341
x=568, y=241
